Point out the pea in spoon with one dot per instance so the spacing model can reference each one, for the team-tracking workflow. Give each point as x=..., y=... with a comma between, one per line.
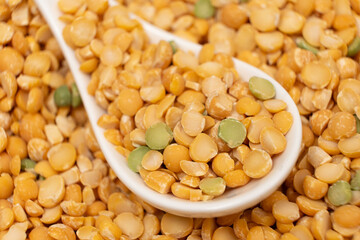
x=232, y=200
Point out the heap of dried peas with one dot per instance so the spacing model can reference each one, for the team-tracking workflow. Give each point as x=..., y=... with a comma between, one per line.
x=48, y=195
x=154, y=95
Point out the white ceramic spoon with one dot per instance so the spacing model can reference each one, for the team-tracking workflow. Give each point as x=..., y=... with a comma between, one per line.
x=233, y=200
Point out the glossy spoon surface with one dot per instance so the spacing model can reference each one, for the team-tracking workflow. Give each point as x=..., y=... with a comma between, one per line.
x=231, y=201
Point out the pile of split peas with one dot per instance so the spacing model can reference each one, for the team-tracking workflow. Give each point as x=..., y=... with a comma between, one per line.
x=54, y=180
x=187, y=124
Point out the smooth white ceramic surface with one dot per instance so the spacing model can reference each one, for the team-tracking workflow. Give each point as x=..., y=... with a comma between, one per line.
x=233, y=200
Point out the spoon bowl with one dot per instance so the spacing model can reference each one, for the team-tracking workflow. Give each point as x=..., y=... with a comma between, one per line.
x=231, y=201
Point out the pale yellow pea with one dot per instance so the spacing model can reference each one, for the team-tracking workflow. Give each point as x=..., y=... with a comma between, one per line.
x=15, y=165
x=108, y=37
x=69, y=6
x=152, y=94
x=6, y=218
x=248, y=106
x=291, y=22
x=306, y=105
x=342, y=125
x=180, y=190
x=240, y=152
x=219, y=106
x=159, y=181
x=283, y=121
x=196, y=195
x=150, y=116
x=196, y=107
x=176, y=226
x=85, y=232
x=317, y=156
x=245, y=38
x=351, y=83
x=320, y=224
x=312, y=30
x=152, y=160
x=61, y=231
x=190, y=96
x=51, y=191
x=73, y=208
x=19, y=213
x=314, y=188
x=181, y=137
x=353, y=216
x=33, y=209
x=310, y=207
x=27, y=189
x=261, y=217
x=190, y=181
x=255, y=232
x=129, y=101
x=329, y=146
x=3, y=139
x=164, y=18
x=350, y=147
x=209, y=69
x=39, y=232
x=270, y=42
x=321, y=98
x=164, y=105
x=111, y=55
x=62, y=156
x=173, y=154
x=7, y=32
x=332, y=234
x=8, y=82
x=347, y=99
x=319, y=121
x=265, y=19
x=107, y=227
x=257, y=164
x=193, y=123
x=256, y=125
x=203, y=148
x=233, y=15
x=267, y=203
x=91, y=178
x=236, y=178
x=316, y=75
x=7, y=185
x=173, y=116
x=272, y=140
x=224, y=233
x=44, y=169
x=329, y=172
x=151, y=226
x=240, y=227
x=275, y=105
x=11, y=60
x=124, y=22
x=130, y=224
x=301, y=232
x=331, y=40
x=206, y=53
x=35, y=100
x=222, y=164
x=51, y=215
x=212, y=84
x=195, y=169
x=82, y=31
